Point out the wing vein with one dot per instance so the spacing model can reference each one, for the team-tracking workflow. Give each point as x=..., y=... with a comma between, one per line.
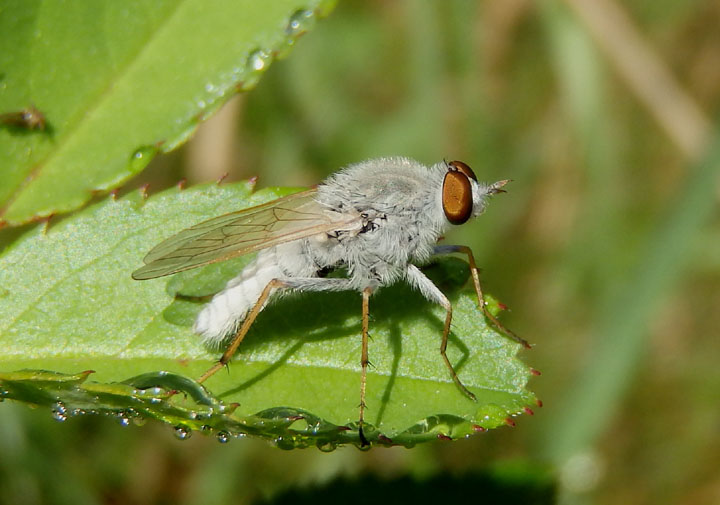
x=289, y=218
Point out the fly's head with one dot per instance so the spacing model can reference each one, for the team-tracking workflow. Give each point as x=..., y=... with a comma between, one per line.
x=463, y=196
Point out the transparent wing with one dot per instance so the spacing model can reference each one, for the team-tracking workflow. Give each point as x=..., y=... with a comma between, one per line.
x=289, y=218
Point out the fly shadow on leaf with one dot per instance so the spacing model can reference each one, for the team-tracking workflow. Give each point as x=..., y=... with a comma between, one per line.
x=299, y=318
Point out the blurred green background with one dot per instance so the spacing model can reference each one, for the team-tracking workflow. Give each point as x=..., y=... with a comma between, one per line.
x=606, y=248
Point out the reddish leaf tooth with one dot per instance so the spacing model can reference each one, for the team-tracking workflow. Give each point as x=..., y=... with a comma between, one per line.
x=144, y=190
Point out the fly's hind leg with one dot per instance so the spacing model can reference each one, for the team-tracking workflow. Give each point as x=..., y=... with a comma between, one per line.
x=299, y=283
x=449, y=249
x=240, y=335
x=364, y=361
x=431, y=292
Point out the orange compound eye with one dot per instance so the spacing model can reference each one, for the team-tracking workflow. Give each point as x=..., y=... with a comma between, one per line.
x=457, y=199
x=462, y=167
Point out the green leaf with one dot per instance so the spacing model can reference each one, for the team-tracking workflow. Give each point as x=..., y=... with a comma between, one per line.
x=69, y=304
x=120, y=81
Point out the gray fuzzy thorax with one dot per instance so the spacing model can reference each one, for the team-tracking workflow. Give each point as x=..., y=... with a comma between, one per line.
x=399, y=200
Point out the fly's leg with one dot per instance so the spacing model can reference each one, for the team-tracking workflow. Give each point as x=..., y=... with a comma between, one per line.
x=364, y=361
x=432, y=293
x=448, y=249
x=300, y=283
x=240, y=335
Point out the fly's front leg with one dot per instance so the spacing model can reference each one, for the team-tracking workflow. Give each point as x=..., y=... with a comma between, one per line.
x=431, y=292
x=300, y=283
x=449, y=249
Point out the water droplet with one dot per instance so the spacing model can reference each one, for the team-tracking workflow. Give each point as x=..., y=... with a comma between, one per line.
x=182, y=432
x=326, y=446
x=223, y=437
x=59, y=412
x=123, y=420
x=300, y=22
x=284, y=443
x=141, y=158
x=257, y=62
x=210, y=88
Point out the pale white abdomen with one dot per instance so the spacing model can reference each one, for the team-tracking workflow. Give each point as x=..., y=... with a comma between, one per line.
x=223, y=315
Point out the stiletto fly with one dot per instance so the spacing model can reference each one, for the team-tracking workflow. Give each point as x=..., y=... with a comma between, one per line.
x=377, y=220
